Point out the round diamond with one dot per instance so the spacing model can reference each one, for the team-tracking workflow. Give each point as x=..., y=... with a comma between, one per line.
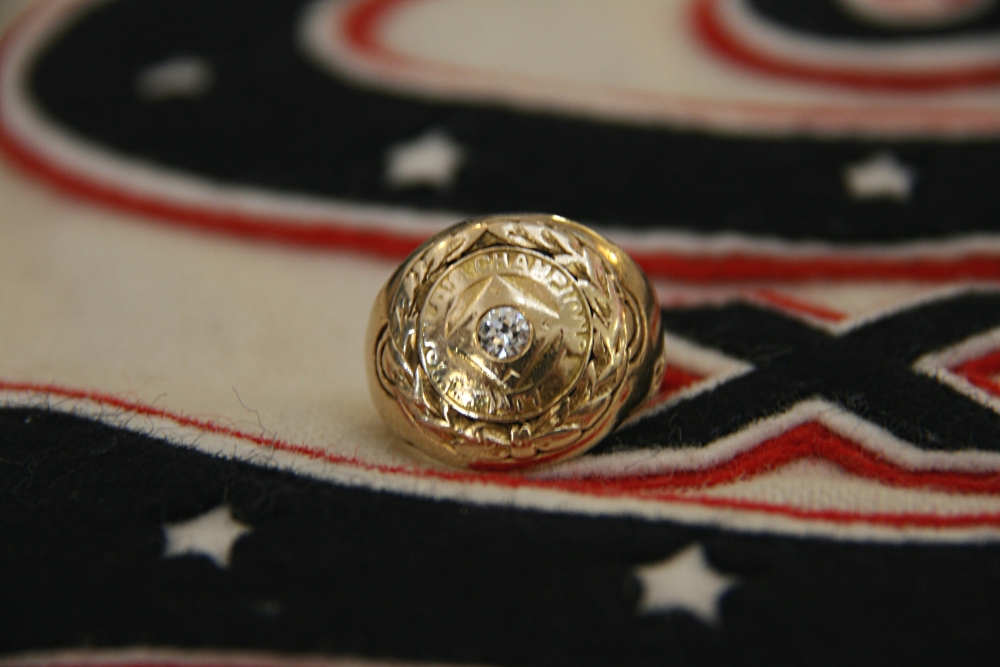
x=504, y=332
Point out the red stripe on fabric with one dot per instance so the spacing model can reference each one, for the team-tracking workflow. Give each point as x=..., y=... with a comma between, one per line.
x=592, y=486
x=903, y=520
x=714, y=34
x=329, y=234
x=360, y=27
x=982, y=372
x=812, y=441
x=795, y=305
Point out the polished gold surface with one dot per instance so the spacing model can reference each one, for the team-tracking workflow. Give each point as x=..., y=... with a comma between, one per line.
x=511, y=341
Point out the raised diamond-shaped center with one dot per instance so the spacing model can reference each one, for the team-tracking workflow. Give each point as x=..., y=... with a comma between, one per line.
x=504, y=332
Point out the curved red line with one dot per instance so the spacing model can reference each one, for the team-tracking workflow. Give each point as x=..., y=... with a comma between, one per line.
x=714, y=34
x=361, y=27
x=813, y=441
x=797, y=306
x=327, y=235
x=982, y=372
x=777, y=449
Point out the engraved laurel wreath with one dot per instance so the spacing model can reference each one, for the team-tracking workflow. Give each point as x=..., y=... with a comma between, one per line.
x=597, y=395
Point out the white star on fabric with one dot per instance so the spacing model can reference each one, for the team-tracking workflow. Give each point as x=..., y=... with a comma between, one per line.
x=683, y=582
x=212, y=534
x=879, y=176
x=431, y=159
x=180, y=76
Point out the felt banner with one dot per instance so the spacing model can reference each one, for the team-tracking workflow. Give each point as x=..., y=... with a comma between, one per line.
x=201, y=198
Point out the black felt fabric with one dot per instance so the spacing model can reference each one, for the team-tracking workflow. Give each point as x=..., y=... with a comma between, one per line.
x=341, y=570
x=868, y=371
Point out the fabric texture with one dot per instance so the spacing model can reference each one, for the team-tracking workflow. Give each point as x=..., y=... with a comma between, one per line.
x=199, y=200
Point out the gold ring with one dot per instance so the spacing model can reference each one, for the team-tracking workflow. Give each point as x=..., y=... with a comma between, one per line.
x=513, y=340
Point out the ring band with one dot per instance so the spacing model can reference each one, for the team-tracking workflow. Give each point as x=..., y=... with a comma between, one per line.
x=511, y=341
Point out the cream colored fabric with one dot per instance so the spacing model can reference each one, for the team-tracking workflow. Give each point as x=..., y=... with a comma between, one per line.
x=265, y=338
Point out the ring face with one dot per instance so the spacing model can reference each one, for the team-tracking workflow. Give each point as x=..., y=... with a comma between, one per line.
x=537, y=326
x=513, y=340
